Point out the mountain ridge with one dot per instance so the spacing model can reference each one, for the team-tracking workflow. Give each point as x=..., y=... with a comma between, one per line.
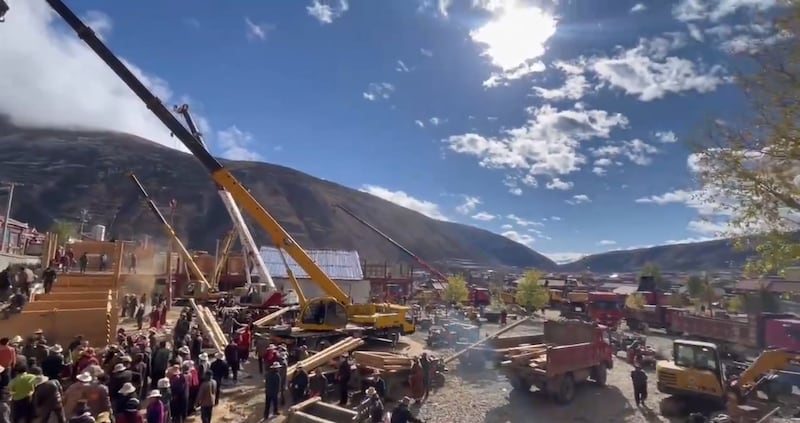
x=88, y=169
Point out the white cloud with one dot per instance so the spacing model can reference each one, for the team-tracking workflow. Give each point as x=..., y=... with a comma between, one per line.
x=378, y=91
x=401, y=67
x=599, y=171
x=425, y=52
x=606, y=242
x=100, y=23
x=638, y=7
x=257, y=31
x=419, y=123
x=666, y=137
x=523, y=239
x=708, y=227
x=714, y=10
x=519, y=221
x=557, y=183
x=506, y=226
x=469, y=204
x=578, y=199
x=546, y=145
x=326, y=11
x=484, y=217
x=566, y=257
x=435, y=121
x=636, y=150
x=645, y=72
x=745, y=38
x=503, y=35
x=695, y=32
x=50, y=79
x=574, y=88
x=235, y=144
x=502, y=79
x=555, y=218
x=401, y=198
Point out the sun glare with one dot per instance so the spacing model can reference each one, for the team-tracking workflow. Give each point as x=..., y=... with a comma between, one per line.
x=515, y=35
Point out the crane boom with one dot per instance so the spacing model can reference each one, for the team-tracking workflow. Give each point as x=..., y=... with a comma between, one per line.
x=187, y=257
x=218, y=172
x=245, y=237
x=439, y=275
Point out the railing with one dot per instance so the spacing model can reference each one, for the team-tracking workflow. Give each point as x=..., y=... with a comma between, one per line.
x=109, y=313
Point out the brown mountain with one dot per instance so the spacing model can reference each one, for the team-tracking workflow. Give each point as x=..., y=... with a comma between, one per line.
x=64, y=172
x=698, y=256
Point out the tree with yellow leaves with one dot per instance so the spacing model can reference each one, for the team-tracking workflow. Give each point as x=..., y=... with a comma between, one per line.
x=748, y=166
x=456, y=290
x=530, y=294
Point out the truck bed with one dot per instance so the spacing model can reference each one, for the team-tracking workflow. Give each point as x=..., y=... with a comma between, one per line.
x=742, y=333
x=551, y=361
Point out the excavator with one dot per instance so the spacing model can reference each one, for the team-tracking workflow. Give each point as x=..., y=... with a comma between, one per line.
x=697, y=376
x=200, y=287
x=477, y=296
x=331, y=312
x=264, y=290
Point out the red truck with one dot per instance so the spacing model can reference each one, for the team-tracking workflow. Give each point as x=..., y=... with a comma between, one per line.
x=656, y=313
x=570, y=353
x=766, y=330
x=605, y=308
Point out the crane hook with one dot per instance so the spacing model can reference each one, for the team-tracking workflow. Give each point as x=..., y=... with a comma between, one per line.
x=3, y=10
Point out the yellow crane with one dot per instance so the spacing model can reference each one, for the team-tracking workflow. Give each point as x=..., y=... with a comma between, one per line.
x=332, y=311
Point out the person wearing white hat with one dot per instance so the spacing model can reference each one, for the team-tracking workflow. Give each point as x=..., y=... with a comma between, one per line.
x=123, y=395
x=373, y=405
x=156, y=410
x=272, y=387
x=47, y=398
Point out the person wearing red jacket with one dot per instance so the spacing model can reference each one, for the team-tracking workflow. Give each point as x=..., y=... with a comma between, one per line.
x=270, y=356
x=244, y=342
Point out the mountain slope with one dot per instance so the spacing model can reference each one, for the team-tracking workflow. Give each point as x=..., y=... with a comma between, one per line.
x=66, y=171
x=700, y=256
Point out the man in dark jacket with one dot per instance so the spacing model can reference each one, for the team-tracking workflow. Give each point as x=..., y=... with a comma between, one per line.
x=120, y=375
x=639, y=379
x=299, y=385
x=53, y=364
x=343, y=380
x=219, y=371
x=49, y=277
x=401, y=413
x=272, y=388
x=232, y=357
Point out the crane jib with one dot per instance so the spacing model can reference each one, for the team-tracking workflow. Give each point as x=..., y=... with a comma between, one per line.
x=153, y=103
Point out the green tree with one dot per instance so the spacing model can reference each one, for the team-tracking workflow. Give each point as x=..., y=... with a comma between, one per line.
x=652, y=270
x=747, y=166
x=530, y=294
x=64, y=230
x=677, y=300
x=695, y=286
x=456, y=290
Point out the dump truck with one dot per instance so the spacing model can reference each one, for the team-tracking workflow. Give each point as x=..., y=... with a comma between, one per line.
x=736, y=336
x=571, y=352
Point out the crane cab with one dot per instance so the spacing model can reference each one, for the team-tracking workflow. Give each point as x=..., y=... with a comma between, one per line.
x=323, y=313
x=695, y=371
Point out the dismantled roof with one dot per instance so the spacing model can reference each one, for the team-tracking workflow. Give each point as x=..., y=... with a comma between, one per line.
x=339, y=265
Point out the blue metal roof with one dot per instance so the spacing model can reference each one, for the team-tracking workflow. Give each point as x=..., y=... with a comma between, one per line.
x=339, y=265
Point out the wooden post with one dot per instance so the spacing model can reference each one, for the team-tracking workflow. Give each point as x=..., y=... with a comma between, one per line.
x=119, y=253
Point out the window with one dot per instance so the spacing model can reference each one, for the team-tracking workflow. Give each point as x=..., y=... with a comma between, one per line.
x=606, y=305
x=696, y=357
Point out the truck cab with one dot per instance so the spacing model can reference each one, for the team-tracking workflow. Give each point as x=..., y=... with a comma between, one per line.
x=605, y=308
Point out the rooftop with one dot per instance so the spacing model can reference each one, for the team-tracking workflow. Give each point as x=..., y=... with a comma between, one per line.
x=338, y=265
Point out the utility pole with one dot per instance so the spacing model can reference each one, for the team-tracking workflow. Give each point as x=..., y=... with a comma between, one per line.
x=4, y=247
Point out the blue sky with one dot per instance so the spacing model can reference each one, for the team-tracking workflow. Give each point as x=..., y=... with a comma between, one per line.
x=564, y=125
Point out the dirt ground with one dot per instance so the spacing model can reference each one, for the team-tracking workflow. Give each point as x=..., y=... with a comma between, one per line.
x=479, y=396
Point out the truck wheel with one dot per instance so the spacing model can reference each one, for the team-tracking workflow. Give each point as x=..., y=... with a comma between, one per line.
x=566, y=390
x=600, y=374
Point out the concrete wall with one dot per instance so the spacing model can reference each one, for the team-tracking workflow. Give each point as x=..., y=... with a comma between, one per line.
x=7, y=259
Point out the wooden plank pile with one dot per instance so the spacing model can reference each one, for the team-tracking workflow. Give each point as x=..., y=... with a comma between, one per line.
x=326, y=356
x=534, y=356
x=209, y=326
x=384, y=361
x=314, y=410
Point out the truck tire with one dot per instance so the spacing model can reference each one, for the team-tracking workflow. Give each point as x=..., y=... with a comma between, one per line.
x=566, y=390
x=600, y=374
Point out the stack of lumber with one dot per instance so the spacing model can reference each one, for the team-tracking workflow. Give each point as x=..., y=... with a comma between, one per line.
x=326, y=356
x=484, y=340
x=534, y=356
x=270, y=318
x=314, y=410
x=385, y=361
x=209, y=326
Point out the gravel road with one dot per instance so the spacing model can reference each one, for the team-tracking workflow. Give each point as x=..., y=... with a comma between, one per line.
x=486, y=397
